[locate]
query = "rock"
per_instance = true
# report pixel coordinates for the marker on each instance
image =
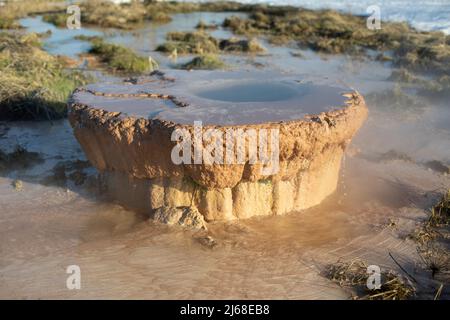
(191, 218)
(207, 241)
(126, 129)
(187, 217)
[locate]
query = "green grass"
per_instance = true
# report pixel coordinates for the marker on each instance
(120, 58)
(204, 62)
(33, 84)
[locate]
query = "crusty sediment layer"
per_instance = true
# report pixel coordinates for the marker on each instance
(139, 150)
(142, 147)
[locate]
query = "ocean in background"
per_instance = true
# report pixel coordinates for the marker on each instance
(423, 15)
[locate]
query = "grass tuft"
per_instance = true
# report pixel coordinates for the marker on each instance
(189, 43)
(354, 274)
(204, 62)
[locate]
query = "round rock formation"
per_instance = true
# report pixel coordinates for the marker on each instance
(222, 145)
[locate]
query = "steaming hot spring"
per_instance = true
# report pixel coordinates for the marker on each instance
(189, 147)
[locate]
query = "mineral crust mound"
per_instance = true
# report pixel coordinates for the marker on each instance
(131, 130)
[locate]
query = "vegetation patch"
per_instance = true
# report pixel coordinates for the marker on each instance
(200, 42)
(121, 59)
(127, 16)
(202, 25)
(424, 84)
(241, 45)
(19, 158)
(397, 101)
(333, 32)
(33, 83)
(204, 62)
(57, 19)
(8, 23)
(13, 10)
(440, 213)
(432, 239)
(189, 43)
(66, 171)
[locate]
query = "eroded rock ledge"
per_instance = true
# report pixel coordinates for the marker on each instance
(125, 130)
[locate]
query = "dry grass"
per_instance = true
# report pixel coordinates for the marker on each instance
(332, 32)
(440, 213)
(120, 58)
(436, 259)
(201, 42)
(423, 235)
(66, 171)
(189, 43)
(13, 10)
(398, 102)
(33, 84)
(202, 25)
(432, 247)
(107, 14)
(439, 217)
(354, 274)
(19, 158)
(130, 16)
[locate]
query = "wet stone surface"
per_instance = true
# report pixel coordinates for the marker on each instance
(216, 98)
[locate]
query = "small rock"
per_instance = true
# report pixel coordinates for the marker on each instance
(168, 215)
(188, 217)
